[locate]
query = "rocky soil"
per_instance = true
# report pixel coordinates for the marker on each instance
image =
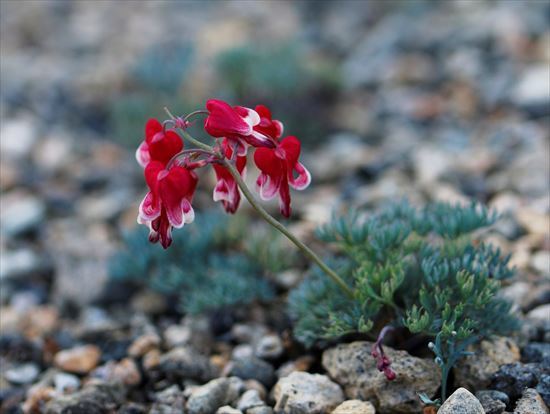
(435, 101)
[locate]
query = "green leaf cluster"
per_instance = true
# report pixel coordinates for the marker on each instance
(422, 269)
(209, 265)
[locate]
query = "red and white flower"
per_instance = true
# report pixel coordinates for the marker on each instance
(168, 202)
(227, 190)
(278, 167)
(158, 145)
(268, 126)
(237, 124)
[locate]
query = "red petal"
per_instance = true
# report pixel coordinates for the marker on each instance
(152, 127)
(223, 120)
(284, 202)
(291, 146)
(164, 149)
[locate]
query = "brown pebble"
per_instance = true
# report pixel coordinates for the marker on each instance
(79, 360)
(144, 344)
(37, 397)
(151, 359)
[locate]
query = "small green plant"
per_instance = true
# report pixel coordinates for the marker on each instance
(420, 269)
(210, 266)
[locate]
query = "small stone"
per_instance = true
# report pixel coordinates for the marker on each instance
(79, 360)
(20, 213)
(354, 368)
(253, 368)
(20, 263)
(531, 89)
(249, 399)
(144, 344)
(302, 363)
(18, 137)
(124, 372)
(543, 388)
(252, 384)
(533, 221)
(151, 359)
(355, 407)
(187, 363)
(132, 408)
(242, 351)
(96, 397)
(461, 401)
(512, 379)
(66, 383)
(227, 409)
(307, 394)
(540, 261)
(263, 409)
(531, 403)
(269, 347)
(22, 374)
(536, 352)
(541, 314)
(475, 371)
(168, 401)
(213, 395)
(490, 404)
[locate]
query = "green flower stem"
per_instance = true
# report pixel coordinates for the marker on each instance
(265, 215)
(279, 226)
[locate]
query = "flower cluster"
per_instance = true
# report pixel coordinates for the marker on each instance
(169, 169)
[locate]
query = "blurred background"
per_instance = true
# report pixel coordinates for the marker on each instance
(425, 100)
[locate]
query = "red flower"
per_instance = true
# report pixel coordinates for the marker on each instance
(168, 202)
(267, 126)
(226, 188)
(236, 124)
(277, 168)
(158, 145)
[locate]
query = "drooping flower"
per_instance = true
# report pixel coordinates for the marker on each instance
(278, 167)
(158, 145)
(268, 126)
(227, 190)
(168, 202)
(236, 124)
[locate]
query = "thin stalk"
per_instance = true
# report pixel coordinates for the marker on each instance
(271, 220)
(189, 137)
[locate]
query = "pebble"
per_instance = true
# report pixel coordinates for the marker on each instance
(355, 407)
(186, 363)
(125, 372)
(461, 401)
(540, 261)
(536, 352)
(20, 213)
(512, 379)
(22, 374)
(531, 89)
(169, 400)
(18, 137)
(227, 409)
(96, 397)
(474, 371)
(541, 314)
(353, 367)
(66, 382)
(143, 344)
(269, 347)
(493, 402)
(79, 360)
(18, 264)
(543, 388)
(531, 403)
(208, 398)
(305, 393)
(151, 359)
(249, 399)
(264, 409)
(253, 368)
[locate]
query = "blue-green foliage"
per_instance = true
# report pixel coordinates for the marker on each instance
(206, 267)
(418, 268)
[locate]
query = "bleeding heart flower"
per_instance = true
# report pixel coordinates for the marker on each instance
(236, 124)
(227, 190)
(158, 145)
(168, 202)
(268, 126)
(277, 168)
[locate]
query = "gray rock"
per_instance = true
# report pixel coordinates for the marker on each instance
(186, 363)
(474, 371)
(269, 347)
(353, 367)
(213, 395)
(18, 137)
(531, 403)
(461, 401)
(264, 409)
(169, 401)
(355, 407)
(21, 212)
(536, 352)
(543, 388)
(532, 88)
(512, 379)
(227, 409)
(22, 374)
(19, 264)
(96, 397)
(253, 368)
(304, 393)
(491, 402)
(249, 399)
(64, 382)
